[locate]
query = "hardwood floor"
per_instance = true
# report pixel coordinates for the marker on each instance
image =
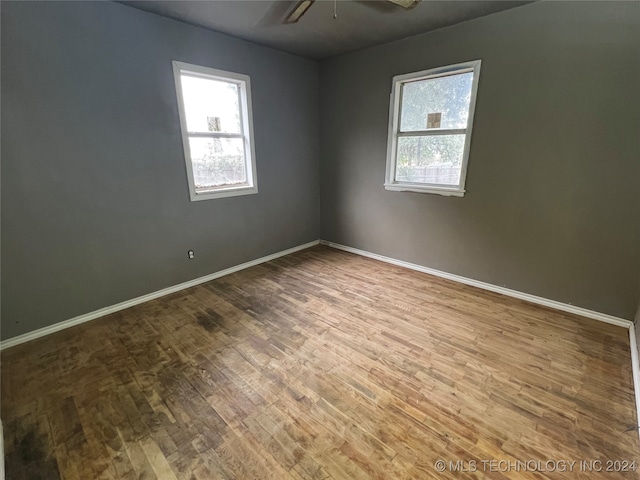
(322, 364)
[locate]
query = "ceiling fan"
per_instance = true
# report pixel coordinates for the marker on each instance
(303, 6)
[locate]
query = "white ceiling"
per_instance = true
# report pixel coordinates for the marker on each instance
(360, 23)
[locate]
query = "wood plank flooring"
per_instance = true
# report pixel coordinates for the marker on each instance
(321, 365)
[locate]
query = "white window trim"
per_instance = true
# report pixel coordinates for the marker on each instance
(246, 117)
(394, 122)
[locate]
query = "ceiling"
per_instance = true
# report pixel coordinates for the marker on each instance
(360, 23)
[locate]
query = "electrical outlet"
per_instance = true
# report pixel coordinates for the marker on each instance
(190, 253)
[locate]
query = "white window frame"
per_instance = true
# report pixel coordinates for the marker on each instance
(246, 124)
(394, 129)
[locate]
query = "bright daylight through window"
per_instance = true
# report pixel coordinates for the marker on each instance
(431, 116)
(217, 131)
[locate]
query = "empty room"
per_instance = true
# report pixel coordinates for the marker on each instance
(391, 239)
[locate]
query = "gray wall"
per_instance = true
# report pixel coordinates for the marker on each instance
(95, 203)
(553, 187)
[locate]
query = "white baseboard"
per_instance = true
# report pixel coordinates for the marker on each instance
(635, 369)
(11, 342)
(1, 452)
(565, 307)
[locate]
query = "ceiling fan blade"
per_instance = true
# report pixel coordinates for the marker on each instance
(408, 4)
(276, 13)
(298, 11)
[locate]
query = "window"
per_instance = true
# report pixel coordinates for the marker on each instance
(217, 131)
(430, 121)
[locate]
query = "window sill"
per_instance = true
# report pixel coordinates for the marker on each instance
(408, 187)
(226, 192)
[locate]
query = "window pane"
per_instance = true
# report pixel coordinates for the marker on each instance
(435, 103)
(435, 159)
(217, 162)
(210, 105)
